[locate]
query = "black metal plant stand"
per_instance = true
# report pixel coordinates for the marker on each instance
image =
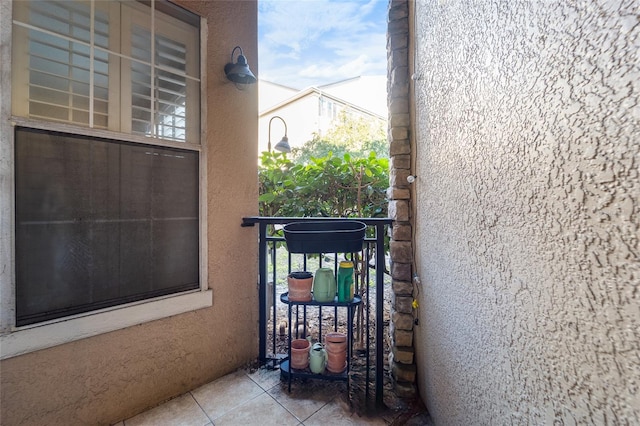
(374, 332)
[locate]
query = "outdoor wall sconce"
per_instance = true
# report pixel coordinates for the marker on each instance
(239, 71)
(283, 145)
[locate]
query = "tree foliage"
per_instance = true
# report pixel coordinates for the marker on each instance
(353, 135)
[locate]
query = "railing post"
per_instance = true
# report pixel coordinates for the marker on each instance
(380, 266)
(262, 289)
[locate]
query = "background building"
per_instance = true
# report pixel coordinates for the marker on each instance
(314, 109)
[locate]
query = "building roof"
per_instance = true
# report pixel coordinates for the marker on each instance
(314, 90)
(354, 93)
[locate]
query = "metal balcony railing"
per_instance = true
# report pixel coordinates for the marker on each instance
(275, 263)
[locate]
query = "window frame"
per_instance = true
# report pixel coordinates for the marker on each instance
(15, 340)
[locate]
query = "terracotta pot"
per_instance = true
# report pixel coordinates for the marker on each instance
(335, 337)
(336, 361)
(300, 284)
(336, 346)
(300, 353)
(336, 342)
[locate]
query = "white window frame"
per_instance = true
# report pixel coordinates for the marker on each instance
(16, 341)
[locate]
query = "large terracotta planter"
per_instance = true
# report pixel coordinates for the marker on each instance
(300, 284)
(300, 353)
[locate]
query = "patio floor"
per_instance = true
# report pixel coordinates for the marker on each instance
(260, 398)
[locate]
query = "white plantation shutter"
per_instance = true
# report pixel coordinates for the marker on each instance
(107, 65)
(140, 81)
(61, 66)
(163, 90)
(172, 88)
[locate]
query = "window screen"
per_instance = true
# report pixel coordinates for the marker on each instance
(101, 222)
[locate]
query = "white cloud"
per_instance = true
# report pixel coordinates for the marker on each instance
(357, 66)
(312, 42)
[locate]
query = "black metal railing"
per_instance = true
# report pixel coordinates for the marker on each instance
(272, 274)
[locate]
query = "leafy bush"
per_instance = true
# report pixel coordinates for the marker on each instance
(327, 186)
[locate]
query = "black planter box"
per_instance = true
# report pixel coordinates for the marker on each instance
(335, 236)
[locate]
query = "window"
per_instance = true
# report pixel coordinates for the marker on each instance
(101, 223)
(108, 65)
(108, 163)
(327, 108)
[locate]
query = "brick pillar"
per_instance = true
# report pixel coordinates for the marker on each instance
(401, 359)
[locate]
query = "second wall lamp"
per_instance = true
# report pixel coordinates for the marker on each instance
(283, 145)
(239, 71)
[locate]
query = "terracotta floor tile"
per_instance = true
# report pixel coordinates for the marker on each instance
(261, 398)
(265, 378)
(306, 397)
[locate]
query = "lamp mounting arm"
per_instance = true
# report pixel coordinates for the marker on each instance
(283, 122)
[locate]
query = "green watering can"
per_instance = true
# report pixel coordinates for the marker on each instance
(317, 358)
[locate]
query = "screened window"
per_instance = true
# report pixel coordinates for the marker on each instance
(101, 223)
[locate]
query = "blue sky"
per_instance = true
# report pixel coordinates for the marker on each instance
(313, 42)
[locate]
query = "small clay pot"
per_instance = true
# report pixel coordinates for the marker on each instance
(300, 284)
(300, 353)
(335, 342)
(336, 347)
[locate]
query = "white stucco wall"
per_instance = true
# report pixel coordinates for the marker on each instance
(527, 211)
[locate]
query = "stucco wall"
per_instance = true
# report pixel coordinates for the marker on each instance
(115, 375)
(527, 212)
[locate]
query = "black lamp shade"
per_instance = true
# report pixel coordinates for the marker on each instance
(240, 72)
(283, 145)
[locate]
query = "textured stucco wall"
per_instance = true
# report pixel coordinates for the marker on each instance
(107, 378)
(527, 212)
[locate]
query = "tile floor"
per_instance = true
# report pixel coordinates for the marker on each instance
(258, 398)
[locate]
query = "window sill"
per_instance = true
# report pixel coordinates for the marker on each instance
(32, 338)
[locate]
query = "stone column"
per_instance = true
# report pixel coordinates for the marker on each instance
(401, 359)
